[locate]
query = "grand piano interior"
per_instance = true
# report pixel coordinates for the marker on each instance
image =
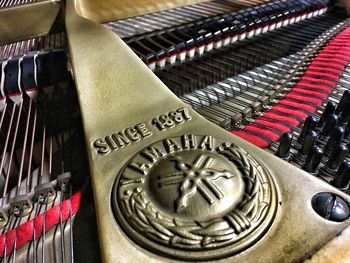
(174, 130)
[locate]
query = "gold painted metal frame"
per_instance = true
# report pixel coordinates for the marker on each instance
(116, 91)
(26, 21)
(109, 10)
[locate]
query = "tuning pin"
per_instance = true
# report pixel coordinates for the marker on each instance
(330, 125)
(308, 142)
(309, 124)
(328, 110)
(313, 160)
(342, 178)
(283, 150)
(337, 156)
(345, 99)
(335, 139)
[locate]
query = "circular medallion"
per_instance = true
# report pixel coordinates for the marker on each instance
(194, 198)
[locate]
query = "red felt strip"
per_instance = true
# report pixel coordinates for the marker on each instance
(334, 65)
(336, 50)
(324, 65)
(321, 75)
(24, 233)
(313, 101)
(341, 57)
(311, 93)
(319, 81)
(333, 54)
(252, 139)
(336, 53)
(278, 127)
(333, 60)
(263, 132)
(310, 86)
(297, 113)
(343, 39)
(298, 105)
(341, 43)
(280, 118)
(329, 70)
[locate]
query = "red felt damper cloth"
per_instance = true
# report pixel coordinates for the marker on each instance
(334, 56)
(252, 139)
(24, 233)
(293, 112)
(318, 74)
(282, 119)
(331, 64)
(297, 105)
(345, 49)
(305, 99)
(333, 60)
(315, 94)
(326, 69)
(316, 87)
(336, 53)
(338, 50)
(273, 136)
(277, 126)
(328, 83)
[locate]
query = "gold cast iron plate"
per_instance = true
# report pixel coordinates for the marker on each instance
(109, 10)
(26, 21)
(120, 96)
(194, 194)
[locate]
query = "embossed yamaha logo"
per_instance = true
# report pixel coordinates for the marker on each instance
(194, 198)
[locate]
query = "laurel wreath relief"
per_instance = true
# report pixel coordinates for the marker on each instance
(143, 216)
